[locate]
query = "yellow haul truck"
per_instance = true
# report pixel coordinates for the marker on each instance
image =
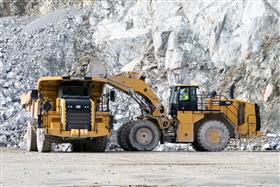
(68, 110)
(76, 111)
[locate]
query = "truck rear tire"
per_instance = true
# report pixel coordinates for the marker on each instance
(123, 137)
(31, 144)
(212, 135)
(144, 135)
(44, 142)
(77, 146)
(97, 144)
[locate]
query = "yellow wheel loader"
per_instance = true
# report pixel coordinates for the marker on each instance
(77, 111)
(208, 122)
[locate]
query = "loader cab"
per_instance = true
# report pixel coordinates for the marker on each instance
(182, 98)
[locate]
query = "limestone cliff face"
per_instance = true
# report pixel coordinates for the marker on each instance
(208, 43)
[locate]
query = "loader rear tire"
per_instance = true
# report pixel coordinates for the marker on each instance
(144, 135)
(123, 137)
(213, 135)
(44, 142)
(31, 144)
(97, 144)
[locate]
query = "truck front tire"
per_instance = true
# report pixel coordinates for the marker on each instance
(44, 142)
(31, 144)
(97, 144)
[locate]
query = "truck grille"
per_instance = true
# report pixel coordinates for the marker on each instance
(78, 114)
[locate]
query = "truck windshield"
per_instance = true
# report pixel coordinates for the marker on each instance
(75, 91)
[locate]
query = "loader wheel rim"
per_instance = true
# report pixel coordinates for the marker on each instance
(214, 136)
(144, 136)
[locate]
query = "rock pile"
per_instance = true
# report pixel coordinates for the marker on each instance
(208, 43)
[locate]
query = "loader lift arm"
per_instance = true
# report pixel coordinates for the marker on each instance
(131, 83)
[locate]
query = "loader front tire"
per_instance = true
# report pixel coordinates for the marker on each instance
(123, 137)
(44, 142)
(31, 144)
(213, 135)
(144, 135)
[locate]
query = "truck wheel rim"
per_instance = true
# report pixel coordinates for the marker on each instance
(144, 136)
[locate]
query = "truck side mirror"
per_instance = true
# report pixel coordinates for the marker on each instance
(34, 95)
(47, 106)
(112, 95)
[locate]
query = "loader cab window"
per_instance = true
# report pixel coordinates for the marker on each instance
(184, 94)
(173, 104)
(183, 98)
(187, 98)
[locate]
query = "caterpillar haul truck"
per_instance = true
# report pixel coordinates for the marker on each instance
(77, 111)
(68, 110)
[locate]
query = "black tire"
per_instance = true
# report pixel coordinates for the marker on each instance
(197, 147)
(77, 146)
(213, 135)
(99, 144)
(144, 135)
(31, 142)
(44, 142)
(123, 137)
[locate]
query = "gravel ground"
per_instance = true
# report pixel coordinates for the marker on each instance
(21, 168)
